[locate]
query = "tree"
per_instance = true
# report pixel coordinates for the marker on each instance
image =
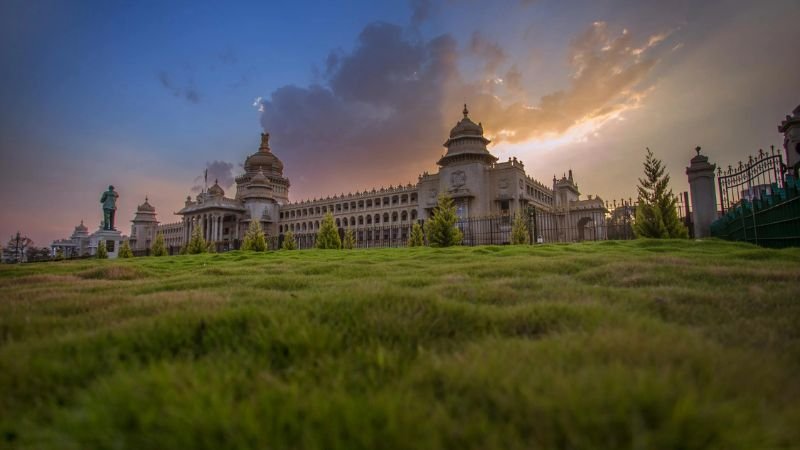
(159, 248)
(328, 235)
(289, 242)
(125, 250)
(59, 254)
(519, 231)
(416, 239)
(196, 244)
(102, 253)
(656, 216)
(254, 239)
(349, 239)
(441, 229)
(16, 250)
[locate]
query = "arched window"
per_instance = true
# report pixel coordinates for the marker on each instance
(404, 216)
(413, 197)
(394, 216)
(352, 221)
(377, 219)
(404, 198)
(361, 220)
(413, 214)
(316, 225)
(369, 203)
(338, 223)
(395, 199)
(369, 220)
(385, 217)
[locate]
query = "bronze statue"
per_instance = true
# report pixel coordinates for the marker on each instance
(109, 201)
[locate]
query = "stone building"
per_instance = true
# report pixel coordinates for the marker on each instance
(481, 186)
(468, 172)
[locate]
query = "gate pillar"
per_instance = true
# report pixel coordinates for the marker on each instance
(704, 194)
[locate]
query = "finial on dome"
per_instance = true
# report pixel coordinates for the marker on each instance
(216, 180)
(466, 111)
(264, 141)
(697, 149)
(145, 199)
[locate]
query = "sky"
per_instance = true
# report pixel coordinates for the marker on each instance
(147, 95)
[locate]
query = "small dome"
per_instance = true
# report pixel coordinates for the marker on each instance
(145, 207)
(81, 227)
(216, 190)
(466, 127)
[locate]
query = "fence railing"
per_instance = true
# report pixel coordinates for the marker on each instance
(751, 180)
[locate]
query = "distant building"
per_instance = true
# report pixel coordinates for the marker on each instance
(479, 184)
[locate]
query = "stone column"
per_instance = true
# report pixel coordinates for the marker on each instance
(704, 194)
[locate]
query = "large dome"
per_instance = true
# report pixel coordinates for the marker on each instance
(263, 159)
(466, 127)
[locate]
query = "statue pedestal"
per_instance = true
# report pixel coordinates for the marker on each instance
(112, 239)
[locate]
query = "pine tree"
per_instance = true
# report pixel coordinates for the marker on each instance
(254, 239)
(349, 239)
(656, 216)
(102, 253)
(196, 244)
(59, 253)
(328, 235)
(289, 242)
(519, 231)
(159, 248)
(441, 229)
(125, 250)
(416, 239)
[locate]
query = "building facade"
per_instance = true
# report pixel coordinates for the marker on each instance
(468, 172)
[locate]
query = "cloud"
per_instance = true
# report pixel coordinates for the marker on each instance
(609, 75)
(381, 111)
(188, 92)
(492, 55)
(420, 11)
(218, 171)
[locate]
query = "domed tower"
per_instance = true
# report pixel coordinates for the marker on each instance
(144, 226)
(790, 128)
(464, 173)
(262, 188)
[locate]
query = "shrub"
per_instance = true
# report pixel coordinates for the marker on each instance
(196, 244)
(416, 239)
(520, 235)
(59, 253)
(349, 239)
(328, 235)
(254, 239)
(125, 250)
(441, 229)
(159, 248)
(289, 242)
(102, 253)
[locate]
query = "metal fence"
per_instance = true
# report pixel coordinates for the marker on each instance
(751, 180)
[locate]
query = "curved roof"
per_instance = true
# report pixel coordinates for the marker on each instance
(263, 159)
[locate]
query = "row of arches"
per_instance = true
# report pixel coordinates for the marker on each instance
(379, 202)
(352, 221)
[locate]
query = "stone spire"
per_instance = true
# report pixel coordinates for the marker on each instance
(465, 111)
(264, 143)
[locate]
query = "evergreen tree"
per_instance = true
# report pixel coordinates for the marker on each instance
(102, 253)
(656, 216)
(254, 239)
(159, 248)
(289, 242)
(519, 230)
(349, 242)
(441, 229)
(125, 250)
(416, 239)
(59, 253)
(196, 244)
(328, 235)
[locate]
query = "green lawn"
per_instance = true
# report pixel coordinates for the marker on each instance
(607, 345)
